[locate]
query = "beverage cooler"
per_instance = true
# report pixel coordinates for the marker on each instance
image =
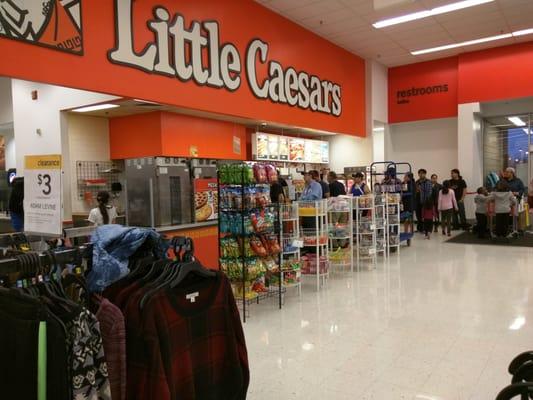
(159, 191)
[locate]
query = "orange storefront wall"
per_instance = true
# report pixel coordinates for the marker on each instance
(496, 74)
(501, 73)
(406, 83)
(175, 135)
(239, 21)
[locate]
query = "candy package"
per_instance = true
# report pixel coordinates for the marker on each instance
(272, 174)
(260, 173)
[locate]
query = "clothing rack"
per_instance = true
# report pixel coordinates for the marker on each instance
(63, 256)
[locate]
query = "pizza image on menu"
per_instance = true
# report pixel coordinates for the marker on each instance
(296, 150)
(205, 199)
(51, 23)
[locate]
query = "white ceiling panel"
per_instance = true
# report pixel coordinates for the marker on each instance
(348, 23)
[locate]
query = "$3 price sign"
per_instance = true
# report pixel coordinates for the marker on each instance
(45, 183)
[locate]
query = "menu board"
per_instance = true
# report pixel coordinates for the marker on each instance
(273, 147)
(262, 146)
(283, 148)
(313, 151)
(296, 150)
(324, 152)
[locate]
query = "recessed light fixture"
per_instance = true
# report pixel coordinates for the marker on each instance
(429, 13)
(145, 101)
(95, 108)
(517, 121)
(471, 42)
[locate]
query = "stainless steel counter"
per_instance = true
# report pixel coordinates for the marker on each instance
(163, 229)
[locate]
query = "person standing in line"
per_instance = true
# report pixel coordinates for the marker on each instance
(424, 190)
(277, 190)
(482, 201)
(428, 213)
(447, 205)
(407, 201)
(516, 186)
(105, 213)
(336, 188)
(435, 194)
(359, 187)
(458, 185)
(325, 187)
(312, 190)
(504, 200)
(16, 204)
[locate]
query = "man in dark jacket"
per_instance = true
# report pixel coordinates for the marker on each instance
(515, 184)
(335, 187)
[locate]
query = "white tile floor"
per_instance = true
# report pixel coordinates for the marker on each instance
(433, 323)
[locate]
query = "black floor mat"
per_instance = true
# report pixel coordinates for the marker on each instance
(471, 238)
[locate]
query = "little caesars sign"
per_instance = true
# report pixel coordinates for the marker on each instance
(224, 69)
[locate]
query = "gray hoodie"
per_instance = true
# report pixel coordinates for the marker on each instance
(503, 202)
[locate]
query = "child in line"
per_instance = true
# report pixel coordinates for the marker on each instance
(447, 206)
(482, 201)
(503, 201)
(428, 213)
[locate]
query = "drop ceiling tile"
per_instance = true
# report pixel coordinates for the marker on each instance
(284, 5)
(469, 35)
(347, 23)
(318, 9)
(421, 33)
(340, 19)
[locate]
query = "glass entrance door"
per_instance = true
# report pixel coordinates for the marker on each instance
(507, 143)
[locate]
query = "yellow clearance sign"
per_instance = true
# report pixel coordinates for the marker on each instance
(43, 162)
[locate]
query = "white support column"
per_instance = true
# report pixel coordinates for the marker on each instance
(470, 150)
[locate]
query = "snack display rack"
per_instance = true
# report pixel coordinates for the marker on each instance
(291, 243)
(393, 210)
(365, 230)
(249, 233)
(314, 228)
(381, 224)
(340, 232)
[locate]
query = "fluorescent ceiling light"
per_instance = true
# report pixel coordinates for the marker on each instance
(145, 101)
(527, 133)
(523, 32)
(475, 41)
(95, 108)
(429, 13)
(461, 44)
(517, 121)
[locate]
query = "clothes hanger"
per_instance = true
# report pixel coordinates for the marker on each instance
(170, 271)
(194, 267)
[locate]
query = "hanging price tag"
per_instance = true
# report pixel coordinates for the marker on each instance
(298, 243)
(43, 211)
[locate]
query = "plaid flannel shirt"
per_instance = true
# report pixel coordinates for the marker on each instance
(184, 352)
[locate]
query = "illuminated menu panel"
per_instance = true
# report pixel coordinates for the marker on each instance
(282, 148)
